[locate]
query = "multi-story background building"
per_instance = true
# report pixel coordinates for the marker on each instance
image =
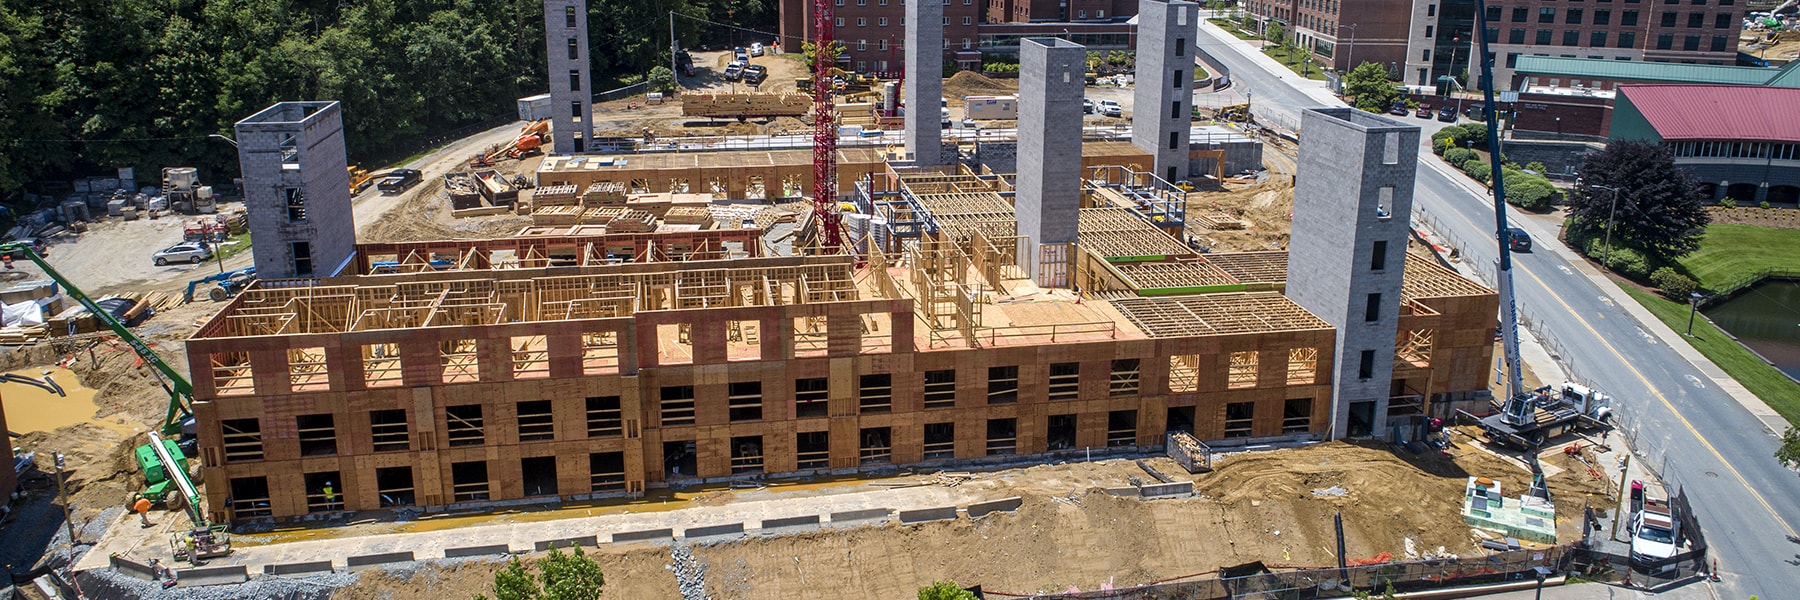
(1700, 32)
(1424, 41)
(873, 31)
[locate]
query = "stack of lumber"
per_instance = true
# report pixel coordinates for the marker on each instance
(1217, 221)
(633, 221)
(687, 215)
(130, 308)
(18, 335)
(745, 105)
(563, 216)
(555, 195)
(605, 193)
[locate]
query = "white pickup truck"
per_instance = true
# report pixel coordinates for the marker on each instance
(1654, 533)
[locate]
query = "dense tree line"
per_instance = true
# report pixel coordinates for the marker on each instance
(90, 85)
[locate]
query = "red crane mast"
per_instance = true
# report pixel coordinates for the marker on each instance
(825, 132)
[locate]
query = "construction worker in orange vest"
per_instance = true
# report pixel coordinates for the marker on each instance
(142, 508)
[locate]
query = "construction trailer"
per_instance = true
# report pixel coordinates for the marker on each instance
(573, 367)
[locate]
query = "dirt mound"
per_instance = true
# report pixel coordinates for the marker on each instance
(970, 83)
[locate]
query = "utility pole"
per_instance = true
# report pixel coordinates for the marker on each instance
(1613, 209)
(674, 46)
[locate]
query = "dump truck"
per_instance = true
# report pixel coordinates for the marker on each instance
(744, 106)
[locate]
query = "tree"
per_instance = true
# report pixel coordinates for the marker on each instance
(1659, 206)
(662, 79)
(1788, 454)
(571, 576)
(811, 50)
(1276, 33)
(1369, 84)
(945, 590)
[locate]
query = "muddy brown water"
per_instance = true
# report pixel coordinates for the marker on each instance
(31, 409)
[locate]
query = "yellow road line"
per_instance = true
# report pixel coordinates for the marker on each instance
(1653, 391)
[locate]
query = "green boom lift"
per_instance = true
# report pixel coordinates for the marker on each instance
(162, 460)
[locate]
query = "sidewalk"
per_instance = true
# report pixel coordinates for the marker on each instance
(1547, 228)
(1317, 90)
(1596, 591)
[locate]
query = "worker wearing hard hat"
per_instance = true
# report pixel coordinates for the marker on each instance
(142, 508)
(330, 496)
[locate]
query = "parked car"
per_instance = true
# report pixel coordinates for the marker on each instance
(738, 54)
(734, 71)
(1397, 109)
(1109, 108)
(399, 180)
(1424, 111)
(1087, 106)
(1475, 112)
(756, 49)
(183, 252)
(1517, 240)
(755, 74)
(1447, 114)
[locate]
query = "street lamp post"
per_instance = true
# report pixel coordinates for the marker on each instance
(227, 139)
(1350, 60)
(1693, 306)
(1613, 209)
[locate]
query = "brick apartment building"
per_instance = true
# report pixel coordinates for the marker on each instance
(1701, 32)
(1341, 31)
(1425, 40)
(874, 31)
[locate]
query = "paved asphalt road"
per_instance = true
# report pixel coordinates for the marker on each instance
(1694, 433)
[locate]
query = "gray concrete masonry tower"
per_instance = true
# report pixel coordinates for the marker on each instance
(571, 97)
(1161, 121)
(924, 82)
(296, 190)
(1048, 199)
(1352, 198)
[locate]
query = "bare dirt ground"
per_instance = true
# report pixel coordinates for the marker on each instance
(1267, 205)
(628, 117)
(1267, 506)
(1782, 47)
(113, 257)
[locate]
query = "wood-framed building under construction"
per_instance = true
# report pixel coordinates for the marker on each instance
(474, 372)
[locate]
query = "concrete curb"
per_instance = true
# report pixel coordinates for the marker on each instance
(591, 541)
(369, 561)
(477, 551)
(713, 530)
(861, 515)
(908, 517)
(768, 524)
(647, 535)
(1166, 490)
(323, 566)
(982, 509)
(132, 568)
(205, 576)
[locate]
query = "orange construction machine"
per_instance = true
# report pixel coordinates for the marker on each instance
(530, 141)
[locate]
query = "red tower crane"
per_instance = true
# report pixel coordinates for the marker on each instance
(825, 132)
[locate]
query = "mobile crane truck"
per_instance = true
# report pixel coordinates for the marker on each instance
(163, 461)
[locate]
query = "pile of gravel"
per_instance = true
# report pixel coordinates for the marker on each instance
(690, 573)
(107, 583)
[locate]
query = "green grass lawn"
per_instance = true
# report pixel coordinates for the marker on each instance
(1233, 27)
(1292, 57)
(243, 243)
(1731, 253)
(1757, 376)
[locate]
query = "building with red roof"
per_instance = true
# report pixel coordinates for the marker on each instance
(1742, 142)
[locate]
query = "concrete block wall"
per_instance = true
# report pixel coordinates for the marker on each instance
(297, 148)
(924, 84)
(1051, 72)
(565, 24)
(1353, 193)
(1165, 78)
